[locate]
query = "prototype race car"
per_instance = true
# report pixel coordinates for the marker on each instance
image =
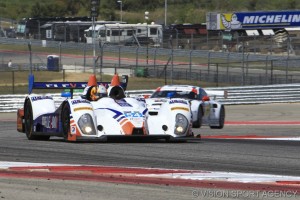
(86, 118)
(204, 110)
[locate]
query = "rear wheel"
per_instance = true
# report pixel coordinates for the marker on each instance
(65, 119)
(221, 119)
(28, 118)
(198, 122)
(28, 124)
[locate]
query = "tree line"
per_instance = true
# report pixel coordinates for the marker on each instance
(179, 11)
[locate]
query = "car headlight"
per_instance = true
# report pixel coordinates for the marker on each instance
(86, 124)
(181, 124)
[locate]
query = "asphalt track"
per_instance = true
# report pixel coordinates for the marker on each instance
(212, 153)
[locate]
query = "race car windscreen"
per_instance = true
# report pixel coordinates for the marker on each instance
(174, 94)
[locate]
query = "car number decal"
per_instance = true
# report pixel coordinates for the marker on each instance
(73, 130)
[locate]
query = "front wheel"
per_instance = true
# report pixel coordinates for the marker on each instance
(65, 119)
(198, 122)
(221, 119)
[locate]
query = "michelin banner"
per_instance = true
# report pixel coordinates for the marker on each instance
(253, 20)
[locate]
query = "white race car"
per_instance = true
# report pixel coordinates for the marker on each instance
(114, 116)
(204, 110)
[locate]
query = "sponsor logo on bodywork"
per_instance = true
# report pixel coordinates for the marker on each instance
(180, 108)
(178, 101)
(50, 121)
(133, 114)
(160, 100)
(37, 98)
(77, 101)
(82, 108)
(73, 129)
(123, 103)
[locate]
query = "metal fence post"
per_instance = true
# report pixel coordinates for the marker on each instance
(243, 64)
(84, 57)
(217, 80)
(172, 65)
(208, 64)
(59, 48)
(64, 75)
(30, 56)
(267, 62)
(137, 56)
(101, 58)
(227, 68)
(176, 39)
(191, 52)
(120, 56)
(13, 82)
(247, 67)
(271, 81)
(154, 62)
(287, 70)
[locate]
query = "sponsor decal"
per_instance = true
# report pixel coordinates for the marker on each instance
(154, 108)
(180, 108)
(178, 101)
(160, 100)
(37, 98)
(50, 121)
(77, 101)
(82, 108)
(123, 103)
(133, 114)
(273, 19)
(73, 130)
(64, 85)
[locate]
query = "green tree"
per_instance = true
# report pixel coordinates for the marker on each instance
(107, 10)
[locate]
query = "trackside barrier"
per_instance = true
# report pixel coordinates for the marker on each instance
(283, 93)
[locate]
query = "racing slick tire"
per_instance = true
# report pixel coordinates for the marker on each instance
(28, 118)
(65, 120)
(221, 119)
(198, 123)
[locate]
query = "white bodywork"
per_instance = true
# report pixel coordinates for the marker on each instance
(199, 102)
(161, 115)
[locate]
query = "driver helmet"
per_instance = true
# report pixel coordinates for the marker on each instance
(102, 91)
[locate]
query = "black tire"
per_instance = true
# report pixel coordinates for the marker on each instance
(221, 119)
(198, 123)
(28, 121)
(65, 120)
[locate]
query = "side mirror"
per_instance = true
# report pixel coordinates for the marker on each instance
(205, 98)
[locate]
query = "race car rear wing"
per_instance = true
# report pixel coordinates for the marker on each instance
(68, 85)
(215, 93)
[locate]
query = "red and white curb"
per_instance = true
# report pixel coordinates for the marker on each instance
(254, 136)
(251, 137)
(153, 176)
(265, 123)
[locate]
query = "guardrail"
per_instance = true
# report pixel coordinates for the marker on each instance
(283, 93)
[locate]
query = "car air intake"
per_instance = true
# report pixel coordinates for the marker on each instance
(152, 113)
